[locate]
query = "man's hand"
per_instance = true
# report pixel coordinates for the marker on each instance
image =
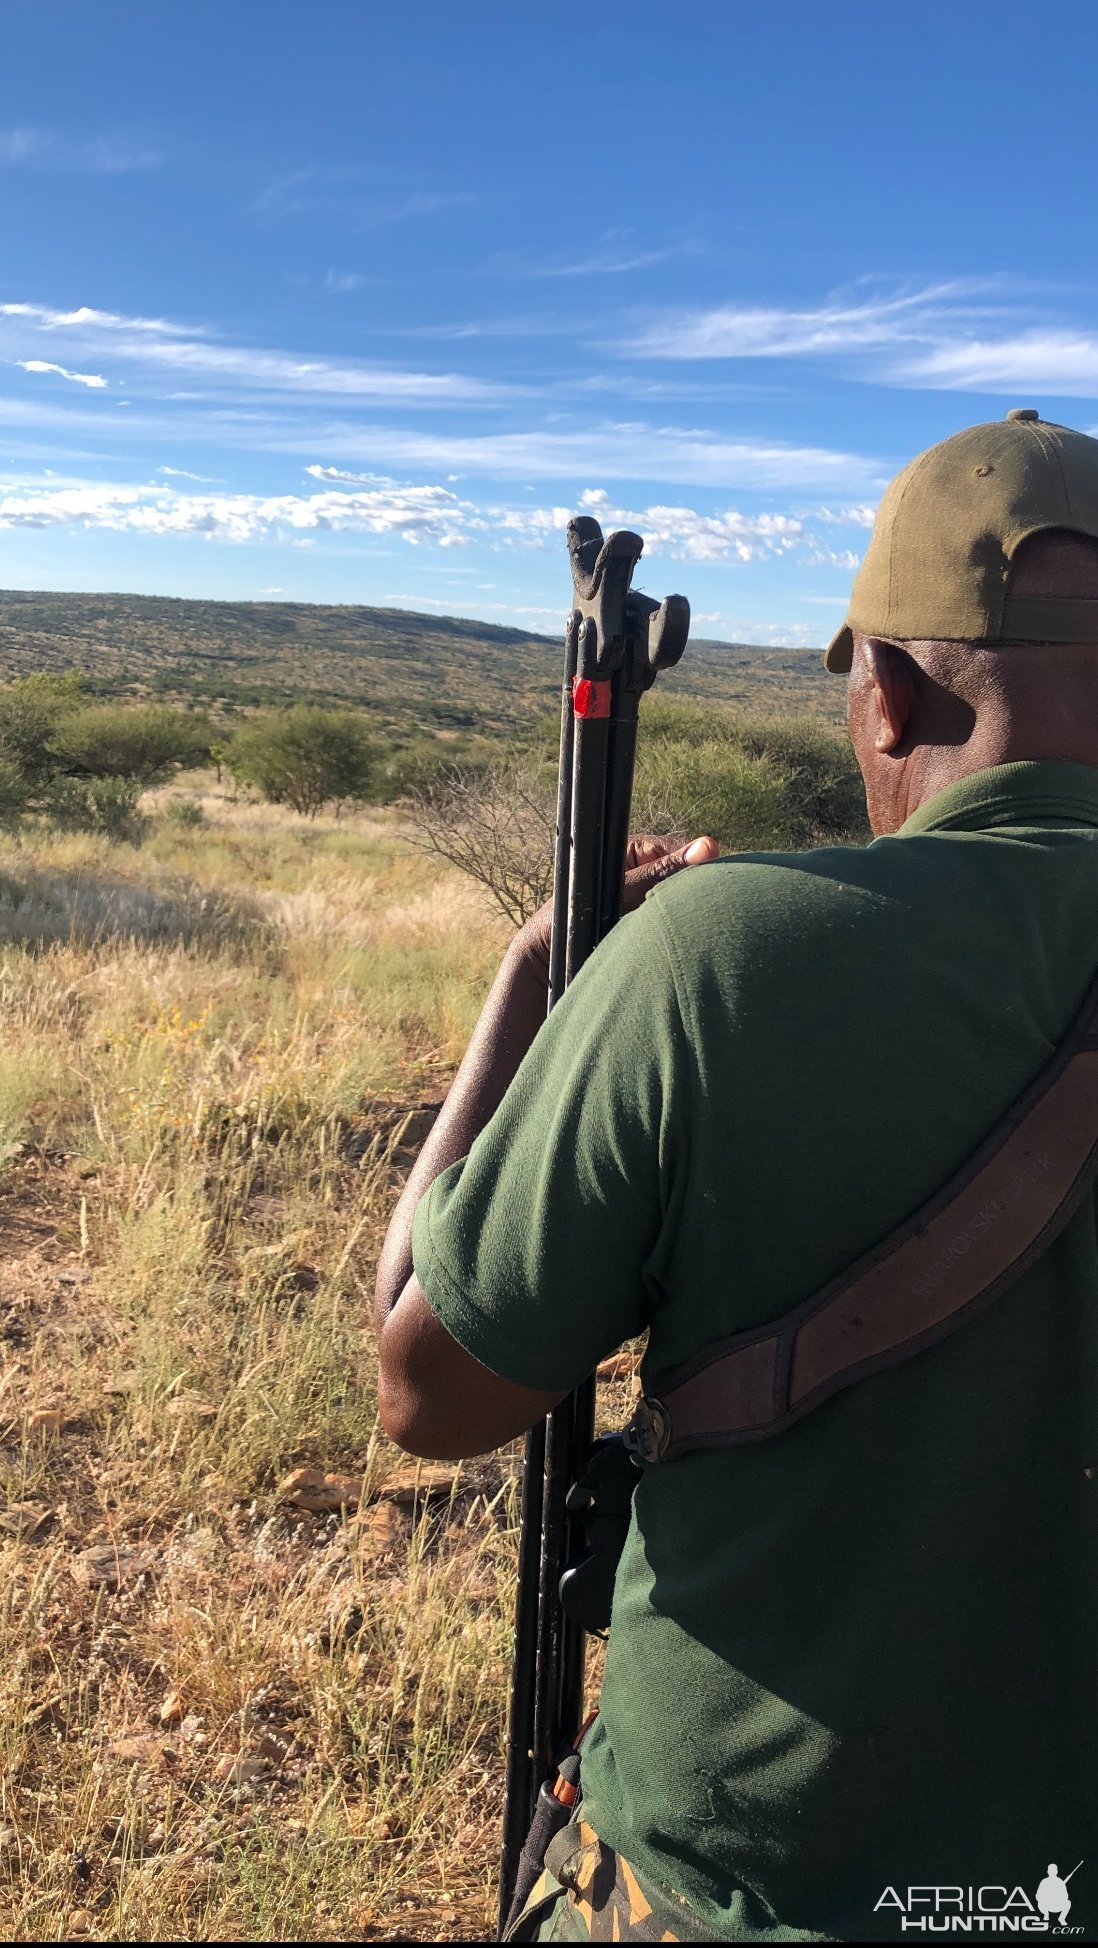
(649, 860)
(434, 1398)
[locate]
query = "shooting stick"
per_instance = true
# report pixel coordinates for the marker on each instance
(616, 640)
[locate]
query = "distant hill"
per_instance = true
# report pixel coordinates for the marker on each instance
(413, 672)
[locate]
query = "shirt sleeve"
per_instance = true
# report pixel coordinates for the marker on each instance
(540, 1252)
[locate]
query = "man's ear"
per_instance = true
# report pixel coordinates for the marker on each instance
(893, 692)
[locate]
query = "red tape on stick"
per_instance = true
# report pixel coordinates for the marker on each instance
(590, 697)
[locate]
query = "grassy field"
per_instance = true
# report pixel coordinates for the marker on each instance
(225, 1714)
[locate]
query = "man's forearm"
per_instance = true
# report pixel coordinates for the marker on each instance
(509, 1021)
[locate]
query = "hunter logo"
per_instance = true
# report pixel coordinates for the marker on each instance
(982, 1221)
(933, 1909)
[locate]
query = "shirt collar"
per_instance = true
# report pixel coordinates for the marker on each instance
(1012, 794)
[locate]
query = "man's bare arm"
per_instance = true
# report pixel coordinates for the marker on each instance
(434, 1398)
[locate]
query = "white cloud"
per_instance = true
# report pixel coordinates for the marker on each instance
(1060, 362)
(752, 331)
(861, 516)
(85, 315)
(613, 450)
(348, 194)
(38, 148)
(632, 451)
(964, 336)
(339, 281)
(352, 479)
(612, 260)
(181, 473)
(748, 629)
(416, 514)
(22, 145)
(687, 535)
(78, 378)
(186, 353)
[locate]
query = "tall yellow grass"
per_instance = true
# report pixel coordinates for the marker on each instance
(221, 1717)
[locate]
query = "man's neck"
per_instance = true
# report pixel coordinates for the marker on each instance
(927, 771)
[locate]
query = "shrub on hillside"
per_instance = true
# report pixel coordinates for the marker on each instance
(84, 765)
(144, 743)
(186, 814)
(305, 757)
(824, 783)
(742, 801)
(31, 709)
(107, 806)
(756, 783)
(13, 793)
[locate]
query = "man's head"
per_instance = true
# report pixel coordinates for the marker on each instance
(972, 635)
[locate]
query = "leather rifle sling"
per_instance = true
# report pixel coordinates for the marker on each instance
(968, 1243)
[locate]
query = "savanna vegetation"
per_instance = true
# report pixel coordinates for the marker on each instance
(417, 677)
(253, 1663)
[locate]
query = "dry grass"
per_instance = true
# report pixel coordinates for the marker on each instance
(221, 1717)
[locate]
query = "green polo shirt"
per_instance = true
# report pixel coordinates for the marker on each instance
(862, 1657)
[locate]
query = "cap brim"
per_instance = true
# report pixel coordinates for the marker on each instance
(839, 654)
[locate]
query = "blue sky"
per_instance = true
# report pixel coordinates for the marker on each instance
(356, 303)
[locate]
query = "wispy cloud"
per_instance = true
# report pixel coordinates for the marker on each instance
(631, 451)
(187, 383)
(181, 473)
(349, 479)
(964, 336)
(39, 148)
(529, 325)
(1059, 362)
(338, 282)
(85, 316)
(348, 194)
(92, 379)
(199, 353)
(615, 254)
(750, 629)
(753, 331)
(556, 449)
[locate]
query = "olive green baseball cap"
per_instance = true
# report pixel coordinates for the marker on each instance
(938, 562)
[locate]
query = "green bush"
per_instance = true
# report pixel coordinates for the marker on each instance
(187, 813)
(743, 802)
(13, 793)
(306, 757)
(141, 742)
(824, 783)
(84, 765)
(757, 784)
(104, 805)
(31, 709)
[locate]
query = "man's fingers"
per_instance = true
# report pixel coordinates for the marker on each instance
(645, 847)
(653, 871)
